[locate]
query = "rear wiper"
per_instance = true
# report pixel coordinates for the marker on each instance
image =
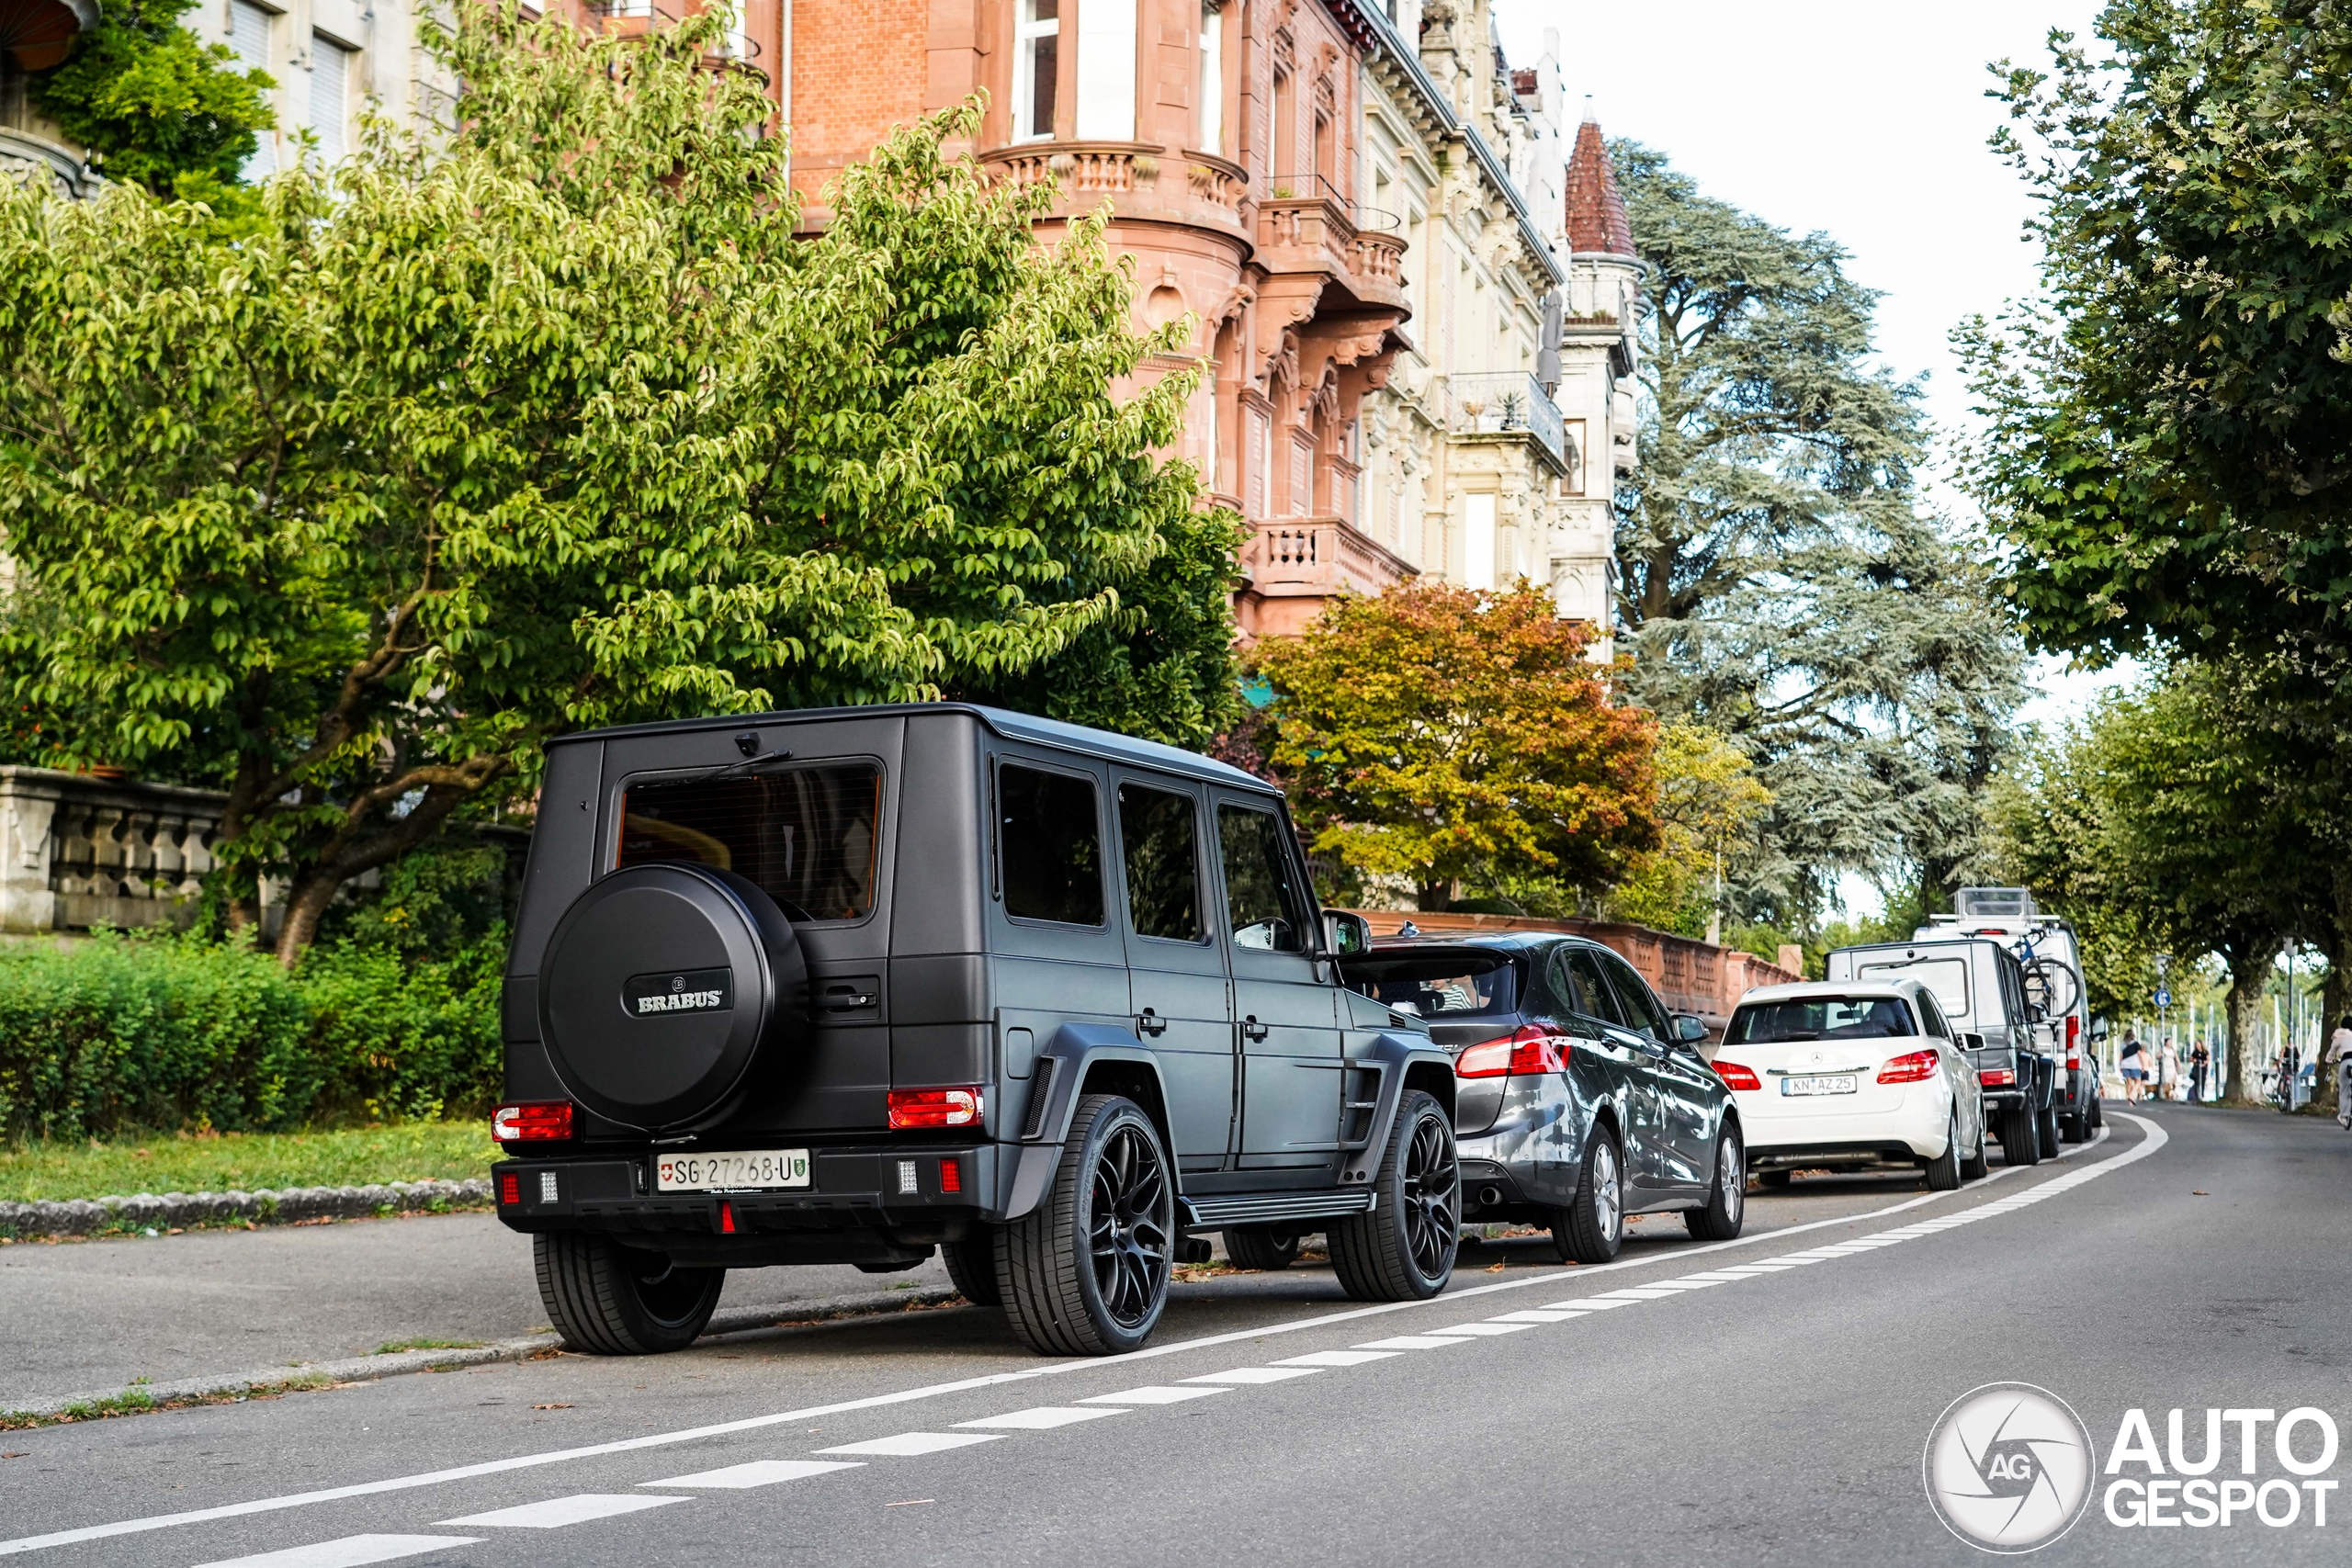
(752, 759)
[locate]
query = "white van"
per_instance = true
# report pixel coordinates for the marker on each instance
(2052, 960)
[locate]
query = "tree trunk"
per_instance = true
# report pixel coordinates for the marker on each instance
(2247, 975)
(306, 905)
(1435, 897)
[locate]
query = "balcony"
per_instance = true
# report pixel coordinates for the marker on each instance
(1207, 191)
(1294, 564)
(1305, 224)
(1507, 403)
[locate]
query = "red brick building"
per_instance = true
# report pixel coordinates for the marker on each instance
(1223, 133)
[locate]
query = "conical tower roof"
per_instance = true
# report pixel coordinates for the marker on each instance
(1596, 211)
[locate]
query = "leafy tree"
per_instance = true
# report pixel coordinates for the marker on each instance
(1710, 805)
(560, 425)
(159, 108)
(1783, 585)
(1435, 733)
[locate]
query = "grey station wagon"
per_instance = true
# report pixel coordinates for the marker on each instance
(848, 986)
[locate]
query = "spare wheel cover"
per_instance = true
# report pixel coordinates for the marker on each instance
(661, 985)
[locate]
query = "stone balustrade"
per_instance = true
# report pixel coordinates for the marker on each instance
(78, 850)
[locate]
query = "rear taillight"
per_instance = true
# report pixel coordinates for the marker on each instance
(1529, 1049)
(1997, 1077)
(1736, 1076)
(914, 1108)
(532, 1122)
(2074, 1042)
(1912, 1067)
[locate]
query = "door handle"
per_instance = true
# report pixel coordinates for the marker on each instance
(1150, 1023)
(1251, 1029)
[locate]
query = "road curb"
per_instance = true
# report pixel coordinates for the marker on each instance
(140, 1397)
(287, 1206)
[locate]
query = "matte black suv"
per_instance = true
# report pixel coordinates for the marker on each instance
(1580, 1100)
(846, 986)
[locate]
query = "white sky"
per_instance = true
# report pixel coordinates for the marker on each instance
(1864, 119)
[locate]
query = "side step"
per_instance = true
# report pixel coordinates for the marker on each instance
(1214, 1214)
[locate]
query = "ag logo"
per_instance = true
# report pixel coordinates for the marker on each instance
(2009, 1467)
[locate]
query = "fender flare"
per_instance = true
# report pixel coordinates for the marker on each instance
(1059, 1070)
(1392, 1056)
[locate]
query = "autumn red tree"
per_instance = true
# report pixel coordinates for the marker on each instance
(1435, 733)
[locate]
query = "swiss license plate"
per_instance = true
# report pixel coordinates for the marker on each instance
(730, 1170)
(1841, 1083)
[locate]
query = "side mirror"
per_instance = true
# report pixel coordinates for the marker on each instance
(1972, 1042)
(1345, 932)
(1689, 1029)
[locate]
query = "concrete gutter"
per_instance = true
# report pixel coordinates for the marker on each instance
(139, 1397)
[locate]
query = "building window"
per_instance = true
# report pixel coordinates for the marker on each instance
(330, 95)
(1212, 79)
(1106, 71)
(1478, 541)
(248, 35)
(1036, 67)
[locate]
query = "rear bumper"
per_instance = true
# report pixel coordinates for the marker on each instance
(1916, 1129)
(882, 1208)
(1849, 1153)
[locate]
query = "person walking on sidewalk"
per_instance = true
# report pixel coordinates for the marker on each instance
(2339, 1052)
(2201, 1060)
(2168, 1070)
(2134, 1057)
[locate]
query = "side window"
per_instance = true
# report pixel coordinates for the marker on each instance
(1641, 1011)
(1050, 846)
(1578, 976)
(1931, 1018)
(1262, 903)
(1156, 830)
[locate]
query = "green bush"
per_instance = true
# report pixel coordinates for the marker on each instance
(168, 1032)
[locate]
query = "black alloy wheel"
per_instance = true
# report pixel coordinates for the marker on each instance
(1403, 1249)
(1086, 1272)
(1720, 1218)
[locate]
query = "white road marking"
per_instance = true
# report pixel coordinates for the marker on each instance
(757, 1472)
(1483, 1330)
(1412, 1342)
(905, 1444)
(2155, 1139)
(351, 1551)
(1042, 1419)
(1642, 1293)
(1154, 1393)
(1534, 1315)
(1256, 1375)
(557, 1512)
(1335, 1358)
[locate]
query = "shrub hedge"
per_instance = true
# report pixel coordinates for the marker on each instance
(171, 1032)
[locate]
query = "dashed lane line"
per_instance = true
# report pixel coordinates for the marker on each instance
(2153, 1140)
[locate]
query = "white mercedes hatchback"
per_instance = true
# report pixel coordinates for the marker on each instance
(1848, 1075)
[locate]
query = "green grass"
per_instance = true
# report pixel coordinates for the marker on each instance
(394, 1346)
(196, 1162)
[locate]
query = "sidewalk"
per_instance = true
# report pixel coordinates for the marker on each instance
(93, 1316)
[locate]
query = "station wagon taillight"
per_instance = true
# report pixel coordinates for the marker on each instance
(1914, 1067)
(914, 1108)
(532, 1122)
(1737, 1074)
(1529, 1049)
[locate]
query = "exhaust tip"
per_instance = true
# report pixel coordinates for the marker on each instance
(1489, 1196)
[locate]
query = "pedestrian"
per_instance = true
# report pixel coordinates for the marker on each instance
(2201, 1061)
(2168, 1071)
(2339, 1051)
(2135, 1067)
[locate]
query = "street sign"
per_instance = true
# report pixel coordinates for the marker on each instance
(2163, 998)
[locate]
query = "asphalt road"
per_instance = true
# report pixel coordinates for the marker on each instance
(1771, 1409)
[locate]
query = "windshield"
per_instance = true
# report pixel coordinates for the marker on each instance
(1821, 1018)
(1438, 984)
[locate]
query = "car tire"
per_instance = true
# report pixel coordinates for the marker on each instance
(1085, 1273)
(1777, 1181)
(1403, 1249)
(2045, 1124)
(971, 1265)
(609, 1300)
(2075, 1129)
(1267, 1249)
(1943, 1171)
(1719, 1217)
(2021, 1137)
(2099, 1114)
(1593, 1227)
(1978, 1166)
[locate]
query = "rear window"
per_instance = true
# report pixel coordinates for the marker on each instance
(1439, 986)
(1820, 1018)
(1946, 977)
(806, 835)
